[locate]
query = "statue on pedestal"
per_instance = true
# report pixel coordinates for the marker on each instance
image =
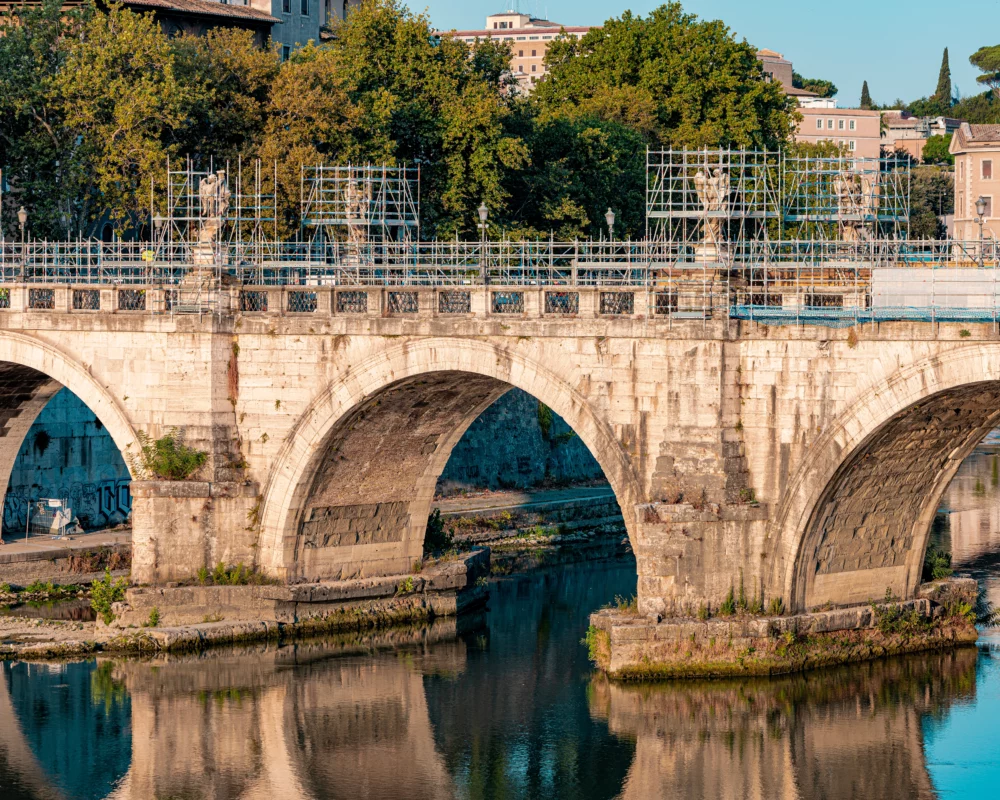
(855, 199)
(713, 193)
(357, 202)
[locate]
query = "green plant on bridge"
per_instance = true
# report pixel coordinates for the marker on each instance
(166, 458)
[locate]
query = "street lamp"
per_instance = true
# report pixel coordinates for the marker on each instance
(609, 217)
(484, 213)
(980, 219)
(22, 218)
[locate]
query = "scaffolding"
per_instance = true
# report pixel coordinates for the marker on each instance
(361, 205)
(847, 199)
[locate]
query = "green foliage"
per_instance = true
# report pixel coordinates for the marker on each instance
(406, 586)
(943, 92)
(5, 588)
(678, 79)
(866, 97)
(986, 614)
(818, 87)
(932, 196)
(703, 612)
(166, 458)
(37, 587)
(987, 61)
(203, 575)
(238, 575)
(776, 607)
(892, 618)
(154, 618)
(937, 564)
(545, 419)
(979, 109)
(728, 607)
(741, 598)
(936, 150)
(436, 539)
(598, 645)
(105, 591)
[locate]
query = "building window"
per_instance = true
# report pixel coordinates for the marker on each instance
(852, 125)
(286, 6)
(987, 169)
(533, 38)
(520, 68)
(854, 145)
(495, 26)
(989, 206)
(546, 37)
(961, 170)
(286, 52)
(534, 67)
(829, 124)
(520, 54)
(819, 124)
(304, 8)
(840, 124)
(534, 53)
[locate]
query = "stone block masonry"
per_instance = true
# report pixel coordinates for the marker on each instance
(802, 463)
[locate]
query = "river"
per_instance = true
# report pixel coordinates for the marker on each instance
(505, 705)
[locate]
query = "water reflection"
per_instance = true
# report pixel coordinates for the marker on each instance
(852, 732)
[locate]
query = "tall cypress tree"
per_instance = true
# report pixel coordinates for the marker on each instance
(866, 98)
(943, 93)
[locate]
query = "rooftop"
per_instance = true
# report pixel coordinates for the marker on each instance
(974, 135)
(205, 8)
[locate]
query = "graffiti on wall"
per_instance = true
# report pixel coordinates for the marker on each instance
(97, 505)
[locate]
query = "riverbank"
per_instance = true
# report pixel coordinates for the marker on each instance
(632, 648)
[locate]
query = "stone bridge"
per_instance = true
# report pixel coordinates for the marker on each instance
(805, 462)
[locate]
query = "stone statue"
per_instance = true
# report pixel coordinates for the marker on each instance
(713, 193)
(855, 198)
(357, 203)
(213, 196)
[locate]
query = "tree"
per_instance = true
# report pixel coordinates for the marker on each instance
(979, 109)
(932, 196)
(226, 83)
(987, 60)
(943, 92)
(866, 98)
(121, 99)
(817, 86)
(692, 79)
(42, 164)
(936, 150)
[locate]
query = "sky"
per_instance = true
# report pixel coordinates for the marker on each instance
(896, 46)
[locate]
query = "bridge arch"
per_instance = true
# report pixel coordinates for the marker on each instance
(365, 457)
(855, 518)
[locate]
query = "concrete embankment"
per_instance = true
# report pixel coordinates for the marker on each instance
(629, 647)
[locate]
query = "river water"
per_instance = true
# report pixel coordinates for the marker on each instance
(505, 705)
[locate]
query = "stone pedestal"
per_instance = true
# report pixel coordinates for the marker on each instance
(181, 526)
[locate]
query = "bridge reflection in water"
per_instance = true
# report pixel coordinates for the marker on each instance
(508, 708)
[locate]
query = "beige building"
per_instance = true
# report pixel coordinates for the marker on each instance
(529, 38)
(853, 128)
(778, 68)
(977, 161)
(903, 131)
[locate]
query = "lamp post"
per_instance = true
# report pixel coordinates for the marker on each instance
(484, 213)
(609, 217)
(980, 219)
(22, 219)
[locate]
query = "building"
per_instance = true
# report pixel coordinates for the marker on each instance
(977, 161)
(853, 128)
(288, 24)
(529, 38)
(778, 68)
(903, 131)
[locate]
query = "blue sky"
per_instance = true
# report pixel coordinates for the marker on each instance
(895, 46)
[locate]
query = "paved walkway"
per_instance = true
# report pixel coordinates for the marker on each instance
(500, 501)
(16, 549)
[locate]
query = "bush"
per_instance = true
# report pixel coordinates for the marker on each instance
(728, 607)
(776, 607)
(937, 564)
(104, 592)
(437, 539)
(166, 458)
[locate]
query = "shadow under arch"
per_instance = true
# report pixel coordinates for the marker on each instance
(363, 460)
(855, 518)
(31, 373)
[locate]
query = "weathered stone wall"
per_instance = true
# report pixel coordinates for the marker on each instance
(508, 448)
